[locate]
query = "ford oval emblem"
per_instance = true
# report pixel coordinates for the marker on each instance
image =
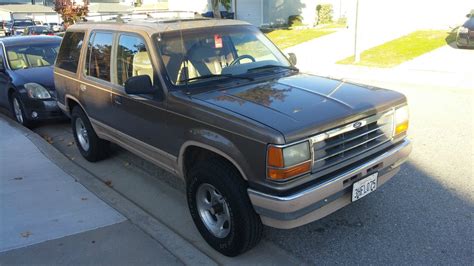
(357, 124)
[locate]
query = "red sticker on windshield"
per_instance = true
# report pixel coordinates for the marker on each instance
(218, 41)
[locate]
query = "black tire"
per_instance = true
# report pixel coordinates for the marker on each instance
(245, 225)
(21, 116)
(98, 148)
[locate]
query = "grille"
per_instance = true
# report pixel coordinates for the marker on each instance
(341, 144)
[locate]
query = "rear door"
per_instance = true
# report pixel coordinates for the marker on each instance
(95, 81)
(140, 119)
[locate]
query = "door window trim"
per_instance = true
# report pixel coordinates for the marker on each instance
(117, 86)
(84, 70)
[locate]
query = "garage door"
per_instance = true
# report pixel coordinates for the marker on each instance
(250, 11)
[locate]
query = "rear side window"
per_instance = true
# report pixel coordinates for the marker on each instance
(133, 59)
(70, 51)
(98, 56)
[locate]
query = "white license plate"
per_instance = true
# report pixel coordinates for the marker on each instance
(365, 186)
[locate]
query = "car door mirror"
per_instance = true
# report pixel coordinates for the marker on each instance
(292, 58)
(139, 85)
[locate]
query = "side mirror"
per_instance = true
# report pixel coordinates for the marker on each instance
(292, 58)
(139, 85)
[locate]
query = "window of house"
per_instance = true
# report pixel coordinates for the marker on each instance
(132, 58)
(98, 55)
(70, 51)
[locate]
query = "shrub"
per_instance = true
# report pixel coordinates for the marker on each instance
(324, 13)
(342, 21)
(295, 20)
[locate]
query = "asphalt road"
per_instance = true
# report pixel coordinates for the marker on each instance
(422, 216)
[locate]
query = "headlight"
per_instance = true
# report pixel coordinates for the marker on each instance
(288, 162)
(36, 91)
(401, 120)
(463, 30)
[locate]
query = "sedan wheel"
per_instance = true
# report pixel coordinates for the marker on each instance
(17, 111)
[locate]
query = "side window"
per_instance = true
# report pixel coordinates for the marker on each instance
(68, 56)
(98, 55)
(132, 58)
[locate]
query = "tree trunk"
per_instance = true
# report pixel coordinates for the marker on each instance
(216, 9)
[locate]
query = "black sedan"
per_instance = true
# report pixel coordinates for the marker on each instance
(465, 37)
(26, 77)
(38, 30)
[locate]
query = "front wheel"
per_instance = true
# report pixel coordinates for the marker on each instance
(18, 111)
(221, 209)
(89, 144)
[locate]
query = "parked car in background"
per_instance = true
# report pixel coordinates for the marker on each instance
(216, 103)
(38, 30)
(19, 25)
(7, 28)
(54, 26)
(38, 23)
(26, 77)
(465, 35)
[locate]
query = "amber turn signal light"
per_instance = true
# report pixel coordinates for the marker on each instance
(281, 174)
(402, 127)
(275, 157)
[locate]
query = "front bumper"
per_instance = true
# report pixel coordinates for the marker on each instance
(40, 110)
(323, 199)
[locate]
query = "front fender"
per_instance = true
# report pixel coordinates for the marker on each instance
(218, 144)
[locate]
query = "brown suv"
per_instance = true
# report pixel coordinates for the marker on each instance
(217, 104)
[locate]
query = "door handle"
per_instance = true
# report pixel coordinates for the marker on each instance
(117, 99)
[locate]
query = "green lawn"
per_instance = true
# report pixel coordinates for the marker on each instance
(405, 48)
(285, 38)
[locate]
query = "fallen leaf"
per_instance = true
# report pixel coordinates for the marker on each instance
(70, 143)
(18, 178)
(108, 183)
(26, 234)
(127, 164)
(83, 198)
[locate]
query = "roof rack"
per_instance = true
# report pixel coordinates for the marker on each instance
(155, 16)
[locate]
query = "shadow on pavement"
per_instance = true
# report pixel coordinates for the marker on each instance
(412, 218)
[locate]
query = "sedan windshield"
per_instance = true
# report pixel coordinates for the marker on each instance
(203, 55)
(33, 55)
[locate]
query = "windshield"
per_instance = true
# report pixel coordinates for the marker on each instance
(23, 23)
(203, 55)
(30, 56)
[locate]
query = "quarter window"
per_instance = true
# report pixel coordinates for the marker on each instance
(68, 56)
(133, 59)
(98, 56)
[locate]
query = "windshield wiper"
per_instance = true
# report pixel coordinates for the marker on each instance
(273, 66)
(216, 76)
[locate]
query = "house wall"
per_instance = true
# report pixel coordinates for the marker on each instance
(44, 17)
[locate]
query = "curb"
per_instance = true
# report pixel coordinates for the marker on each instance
(171, 241)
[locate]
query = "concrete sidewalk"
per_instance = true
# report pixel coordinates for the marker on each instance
(48, 217)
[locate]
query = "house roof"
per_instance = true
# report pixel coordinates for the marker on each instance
(108, 8)
(27, 8)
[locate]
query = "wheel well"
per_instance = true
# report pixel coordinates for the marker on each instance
(70, 103)
(10, 93)
(194, 155)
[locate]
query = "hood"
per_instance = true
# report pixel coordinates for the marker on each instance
(303, 105)
(40, 75)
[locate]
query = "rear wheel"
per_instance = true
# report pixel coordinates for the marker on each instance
(89, 144)
(221, 209)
